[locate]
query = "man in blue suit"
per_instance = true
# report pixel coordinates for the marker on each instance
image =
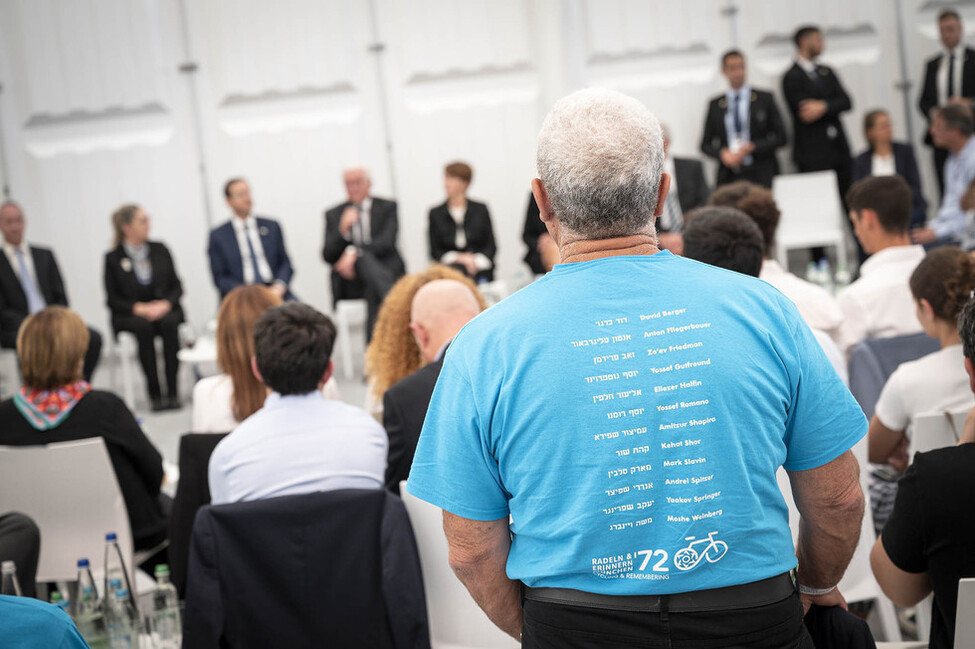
(248, 249)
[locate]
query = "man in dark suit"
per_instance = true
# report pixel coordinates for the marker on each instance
(816, 99)
(743, 128)
(948, 77)
(248, 249)
(439, 310)
(29, 281)
(688, 189)
(360, 245)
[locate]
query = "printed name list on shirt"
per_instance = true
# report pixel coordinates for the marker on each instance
(647, 381)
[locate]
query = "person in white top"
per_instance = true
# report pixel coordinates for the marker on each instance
(816, 306)
(879, 304)
(221, 402)
(299, 442)
(941, 285)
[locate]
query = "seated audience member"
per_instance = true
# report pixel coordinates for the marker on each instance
(393, 353)
(879, 303)
(818, 308)
(27, 623)
(542, 252)
(941, 285)
(727, 238)
(884, 157)
(460, 231)
(20, 542)
(927, 543)
(724, 237)
(951, 128)
(29, 281)
(298, 442)
(221, 402)
(57, 405)
(688, 189)
(438, 311)
(360, 245)
(143, 292)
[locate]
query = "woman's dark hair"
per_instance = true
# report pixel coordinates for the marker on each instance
(945, 278)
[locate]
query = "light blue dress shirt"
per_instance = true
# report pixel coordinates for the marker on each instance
(951, 220)
(298, 444)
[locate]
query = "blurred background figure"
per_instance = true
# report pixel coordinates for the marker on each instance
(885, 157)
(460, 231)
(143, 292)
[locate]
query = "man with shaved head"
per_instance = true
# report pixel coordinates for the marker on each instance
(604, 443)
(440, 309)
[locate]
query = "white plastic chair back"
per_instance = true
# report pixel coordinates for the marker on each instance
(456, 621)
(936, 430)
(965, 615)
(858, 584)
(812, 214)
(71, 492)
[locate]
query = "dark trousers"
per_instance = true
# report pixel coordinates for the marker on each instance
(373, 279)
(20, 542)
(940, 156)
(558, 626)
(145, 332)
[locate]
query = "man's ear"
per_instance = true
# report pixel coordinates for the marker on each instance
(329, 370)
(421, 334)
(662, 194)
(541, 199)
(257, 372)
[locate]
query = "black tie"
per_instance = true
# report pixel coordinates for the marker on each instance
(738, 113)
(951, 75)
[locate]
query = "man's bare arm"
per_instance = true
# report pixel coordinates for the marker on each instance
(478, 554)
(830, 502)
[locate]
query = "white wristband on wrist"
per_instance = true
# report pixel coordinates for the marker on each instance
(815, 592)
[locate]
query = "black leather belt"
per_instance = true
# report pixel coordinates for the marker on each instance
(756, 593)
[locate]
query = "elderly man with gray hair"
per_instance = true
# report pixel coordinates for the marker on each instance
(604, 442)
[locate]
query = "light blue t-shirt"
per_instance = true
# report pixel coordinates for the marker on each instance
(27, 623)
(630, 414)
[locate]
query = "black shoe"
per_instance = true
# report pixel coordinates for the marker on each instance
(173, 403)
(158, 405)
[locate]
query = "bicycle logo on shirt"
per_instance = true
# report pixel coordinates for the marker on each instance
(689, 557)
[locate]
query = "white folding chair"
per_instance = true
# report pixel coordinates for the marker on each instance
(9, 373)
(126, 352)
(348, 314)
(964, 620)
(812, 214)
(858, 584)
(71, 492)
(936, 430)
(456, 621)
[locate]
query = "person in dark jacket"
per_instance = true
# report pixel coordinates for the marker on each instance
(460, 229)
(143, 293)
(884, 157)
(56, 405)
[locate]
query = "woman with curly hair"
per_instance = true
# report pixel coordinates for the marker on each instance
(393, 353)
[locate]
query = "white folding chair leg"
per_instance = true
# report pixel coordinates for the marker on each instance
(125, 357)
(345, 346)
(888, 619)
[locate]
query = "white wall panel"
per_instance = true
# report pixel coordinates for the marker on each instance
(94, 116)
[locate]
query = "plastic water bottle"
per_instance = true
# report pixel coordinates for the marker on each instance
(168, 630)
(87, 609)
(123, 621)
(115, 566)
(842, 277)
(10, 585)
(58, 600)
(825, 275)
(812, 273)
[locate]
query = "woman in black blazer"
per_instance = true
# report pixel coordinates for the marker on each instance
(460, 230)
(886, 157)
(143, 292)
